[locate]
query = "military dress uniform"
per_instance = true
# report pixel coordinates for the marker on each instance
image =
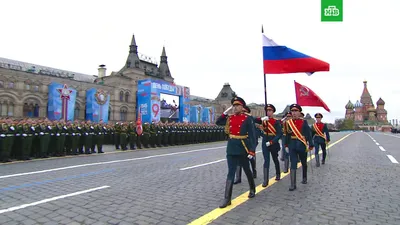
(272, 132)
(321, 137)
(240, 147)
(285, 155)
(298, 141)
(238, 174)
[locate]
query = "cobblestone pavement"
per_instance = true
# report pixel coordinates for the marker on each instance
(357, 185)
(150, 187)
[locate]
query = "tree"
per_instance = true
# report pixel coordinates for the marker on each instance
(344, 124)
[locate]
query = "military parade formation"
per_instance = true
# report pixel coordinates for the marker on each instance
(41, 138)
(296, 135)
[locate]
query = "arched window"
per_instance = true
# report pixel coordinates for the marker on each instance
(28, 110)
(36, 88)
(127, 97)
(76, 113)
(121, 96)
(11, 85)
(1, 84)
(10, 109)
(36, 110)
(123, 114)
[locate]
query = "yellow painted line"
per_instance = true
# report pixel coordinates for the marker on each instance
(214, 214)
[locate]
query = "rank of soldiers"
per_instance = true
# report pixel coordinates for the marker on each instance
(42, 138)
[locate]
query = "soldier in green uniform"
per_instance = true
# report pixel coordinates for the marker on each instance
(132, 135)
(153, 135)
(44, 138)
(240, 148)
(88, 137)
(99, 130)
(75, 136)
(8, 132)
(159, 132)
(146, 135)
(117, 138)
(82, 135)
(123, 136)
(27, 133)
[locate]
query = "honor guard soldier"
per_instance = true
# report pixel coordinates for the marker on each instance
(238, 176)
(272, 132)
(285, 155)
(321, 137)
(298, 142)
(240, 147)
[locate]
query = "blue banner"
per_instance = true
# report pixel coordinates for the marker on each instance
(61, 103)
(196, 114)
(97, 105)
(208, 115)
(148, 100)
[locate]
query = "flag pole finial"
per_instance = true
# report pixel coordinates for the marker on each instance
(262, 29)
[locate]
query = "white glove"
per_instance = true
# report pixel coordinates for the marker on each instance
(227, 110)
(268, 144)
(286, 149)
(249, 156)
(265, 118)
(24, 135)
(2, 135)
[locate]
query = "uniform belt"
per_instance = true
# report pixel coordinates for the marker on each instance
(269, 134)
(239, 137)
(295, 137)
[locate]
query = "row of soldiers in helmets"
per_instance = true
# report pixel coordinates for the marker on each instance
(293, 134)
(165, 134)
(41, 138)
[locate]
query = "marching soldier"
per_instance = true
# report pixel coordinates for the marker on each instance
(44, 132)
(298, 142)
(285, 155)
(240, 148)
(146, 135)
(272, 132)
(75, 136)
(238, 176)
(321, 137)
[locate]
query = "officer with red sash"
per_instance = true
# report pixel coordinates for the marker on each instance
(272, 132)
(240, 148)
(321, 137)
(298, 142)
(238, 176)
(285, 155)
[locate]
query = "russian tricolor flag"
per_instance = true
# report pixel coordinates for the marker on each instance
(281, 59)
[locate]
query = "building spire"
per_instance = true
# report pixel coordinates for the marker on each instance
(133, 60)
(366, 96)
(164, 68)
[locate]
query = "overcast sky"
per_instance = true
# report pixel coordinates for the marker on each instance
(209, 43)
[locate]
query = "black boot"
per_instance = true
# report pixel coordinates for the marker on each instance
(286, 165)
(292, 180)
(228, 194)
(238, 175)
(278, 171)
(304, 181)
(252, 185)
(253, 167)
(317, 160)
(266, 177)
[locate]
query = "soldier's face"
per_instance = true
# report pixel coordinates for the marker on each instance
(295, 113)
(270, 112)
(318, 119)
(237, 109)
